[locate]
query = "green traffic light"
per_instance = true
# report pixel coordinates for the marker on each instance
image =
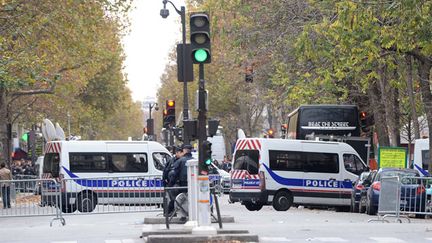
(24, 137)
(200, 55)
(208, 162)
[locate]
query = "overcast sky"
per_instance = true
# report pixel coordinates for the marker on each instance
(148, 45)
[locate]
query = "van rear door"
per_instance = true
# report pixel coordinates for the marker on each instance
(245, 172)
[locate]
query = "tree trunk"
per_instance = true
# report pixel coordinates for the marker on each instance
(424, 73)
(378, 113)
(410, 90)
(5, 143)
(386, 99)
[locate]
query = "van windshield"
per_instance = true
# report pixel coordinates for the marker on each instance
(247, 160)
(52, 164)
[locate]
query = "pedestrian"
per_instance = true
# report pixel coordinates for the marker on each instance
(169, 178)
(5, 175)
(181, 167)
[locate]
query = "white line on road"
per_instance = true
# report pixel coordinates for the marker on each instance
(386, 239)
(329, 239)
(64, 242)
(274, 239)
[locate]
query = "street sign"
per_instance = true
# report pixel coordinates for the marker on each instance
(395, 157)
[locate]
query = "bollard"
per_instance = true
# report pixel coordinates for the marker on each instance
(204, 219)
(192, 193)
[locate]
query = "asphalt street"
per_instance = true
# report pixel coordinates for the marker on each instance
(294, 225)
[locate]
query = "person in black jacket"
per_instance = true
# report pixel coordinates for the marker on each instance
(169, 179)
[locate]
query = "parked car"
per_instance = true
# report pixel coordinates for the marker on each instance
(363, 190)
(413, 194)
(358, 187)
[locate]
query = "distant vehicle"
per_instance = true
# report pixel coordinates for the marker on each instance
(329, 123)
(412, 194)
(421, 156)
(140, 162)
(218, 176)
(218, 145)
(361, 185)
(283, 172)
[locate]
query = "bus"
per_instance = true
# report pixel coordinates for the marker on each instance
(318, 120)
(329, 123)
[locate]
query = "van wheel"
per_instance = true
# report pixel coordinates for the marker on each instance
(86, 202)
(253, 206)
(282, 201)
(68, 208)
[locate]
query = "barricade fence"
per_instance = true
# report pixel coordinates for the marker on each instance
(405, 196)
(23, 198)
(95, 195)
(111, 194)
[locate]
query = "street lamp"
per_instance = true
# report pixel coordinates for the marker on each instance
(164, 12)
(150, 123)
(151, 106)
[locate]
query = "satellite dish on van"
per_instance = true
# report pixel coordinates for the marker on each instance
(60, 135)
(44, 134)
(240, 134)
(50, 130)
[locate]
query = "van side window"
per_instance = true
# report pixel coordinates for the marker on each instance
(247, 160)
(425, 159)
(322, 163)
(353, 164)
(160, 159)
(286, 160)
(129, 162)
(88, 162)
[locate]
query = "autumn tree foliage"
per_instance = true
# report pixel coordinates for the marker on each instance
(65, 57)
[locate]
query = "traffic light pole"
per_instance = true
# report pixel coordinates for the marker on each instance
(185, 91)
(202, 120)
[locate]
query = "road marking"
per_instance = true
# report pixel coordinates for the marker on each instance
(386, 239)
(329, 239)
(64, 242)
(274, 239)
(120, 241)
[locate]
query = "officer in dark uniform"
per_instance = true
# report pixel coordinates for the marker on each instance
(169, 177)
(181, 167)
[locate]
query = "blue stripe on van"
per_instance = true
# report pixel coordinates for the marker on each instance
(113, 183)
(309, 183)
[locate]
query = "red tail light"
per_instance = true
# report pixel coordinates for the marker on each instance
(376, 185)
(262, 181)
(359, 187)
(421, 189)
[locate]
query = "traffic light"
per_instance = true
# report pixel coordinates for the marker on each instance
(207, 151)
(200, 38)
(25, 137)
(165, 123)
(270, 133)
(366, 121)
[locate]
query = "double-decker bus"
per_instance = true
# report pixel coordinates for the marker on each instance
(328, 122)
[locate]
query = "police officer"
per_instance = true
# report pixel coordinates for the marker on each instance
(181, 165)
(169, 177)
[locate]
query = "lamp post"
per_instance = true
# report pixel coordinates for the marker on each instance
(182, 12)
(150, 123)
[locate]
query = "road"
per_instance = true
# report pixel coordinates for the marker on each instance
(294, 225)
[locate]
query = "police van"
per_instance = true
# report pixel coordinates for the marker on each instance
(103, 172)
(281, 172)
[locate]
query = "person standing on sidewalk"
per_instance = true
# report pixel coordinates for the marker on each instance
(5, 175)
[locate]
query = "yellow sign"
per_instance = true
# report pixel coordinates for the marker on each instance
(394, 157)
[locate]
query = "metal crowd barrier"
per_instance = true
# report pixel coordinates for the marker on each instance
(416, 196)
(402, 197)
(26, 199)
(45, 197)
(112, 194)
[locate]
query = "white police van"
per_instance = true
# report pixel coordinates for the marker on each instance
(103, 172)
(283, 172)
